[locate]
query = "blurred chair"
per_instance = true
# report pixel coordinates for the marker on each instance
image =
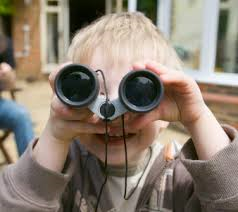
(5, 133)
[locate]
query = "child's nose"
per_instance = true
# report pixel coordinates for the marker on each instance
(112, 91)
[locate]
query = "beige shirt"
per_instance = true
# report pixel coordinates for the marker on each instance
(117, 183)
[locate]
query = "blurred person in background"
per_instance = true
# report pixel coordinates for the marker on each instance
(13, 116)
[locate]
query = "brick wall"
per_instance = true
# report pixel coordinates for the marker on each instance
(223, 101)
(29, 66)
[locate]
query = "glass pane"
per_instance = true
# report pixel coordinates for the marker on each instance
(52, 38)
(125, 5)
(52, 2)
(117, 5)
(149, 8)
(227, 37)
(186, 30)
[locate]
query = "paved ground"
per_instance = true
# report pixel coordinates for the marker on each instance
(36, 97)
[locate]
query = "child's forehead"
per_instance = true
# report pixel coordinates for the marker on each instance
(119, 65)
(113, 70)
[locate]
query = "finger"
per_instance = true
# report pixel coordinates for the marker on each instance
(6, 67)
(80, 127)
(176, 78)
(143, 120)
(138, 65)
(54, 73)
(5, 71)
(94, 119)
(157, 67)
(68, 113)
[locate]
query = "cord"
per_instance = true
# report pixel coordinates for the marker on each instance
(106, 142)
(127, 197)
(84, 167)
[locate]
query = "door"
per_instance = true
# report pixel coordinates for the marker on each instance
(54, 33)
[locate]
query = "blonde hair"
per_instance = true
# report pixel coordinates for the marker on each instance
(123, 35)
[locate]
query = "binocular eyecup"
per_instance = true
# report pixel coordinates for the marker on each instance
(78, 86)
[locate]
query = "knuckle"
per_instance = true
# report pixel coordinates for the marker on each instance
(51, 77)
(58, 108)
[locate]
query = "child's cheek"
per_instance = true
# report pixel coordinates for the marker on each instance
(149, 134)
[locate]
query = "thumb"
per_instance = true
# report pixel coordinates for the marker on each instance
(144, 119)
(54, 73)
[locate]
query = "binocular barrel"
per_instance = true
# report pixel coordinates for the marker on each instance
(78, 86)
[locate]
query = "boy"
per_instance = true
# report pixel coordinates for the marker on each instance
(43, 180)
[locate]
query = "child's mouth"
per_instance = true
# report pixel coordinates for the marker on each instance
(115, 138)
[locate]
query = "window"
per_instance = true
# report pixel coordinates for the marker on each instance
(149, 8)
(227, 38)
(205, 35)
(54, 33)
(113, 6)
(186, 30)
(52, 38)
(52, 2)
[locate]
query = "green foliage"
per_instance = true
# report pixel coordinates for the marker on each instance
(148, 7)
(6, 7)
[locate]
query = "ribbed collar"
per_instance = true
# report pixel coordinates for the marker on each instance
(119, 171)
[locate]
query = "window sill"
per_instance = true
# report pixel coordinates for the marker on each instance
(226, 79)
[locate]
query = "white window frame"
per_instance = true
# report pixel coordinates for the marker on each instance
(63, 29)
(164, 16)
(206, 73)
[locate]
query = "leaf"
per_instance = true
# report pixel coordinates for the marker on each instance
(6, 7)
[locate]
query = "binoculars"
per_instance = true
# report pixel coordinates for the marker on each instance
(139, 91)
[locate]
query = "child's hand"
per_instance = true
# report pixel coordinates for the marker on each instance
(182, 100)
(63, 126)
(4, 69)
(66, 123)
(7, 77)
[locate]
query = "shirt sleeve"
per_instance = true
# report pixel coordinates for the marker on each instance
(27, 186)
(215, 180)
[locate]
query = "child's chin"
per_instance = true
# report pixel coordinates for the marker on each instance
(116, 162)
(114, 159)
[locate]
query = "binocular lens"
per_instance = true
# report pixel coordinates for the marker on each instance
(77, 86)
(140, 91)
